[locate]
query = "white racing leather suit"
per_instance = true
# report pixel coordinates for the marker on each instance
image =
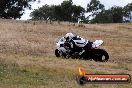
(79, 45)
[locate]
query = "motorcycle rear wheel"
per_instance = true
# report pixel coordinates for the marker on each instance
(100, 55)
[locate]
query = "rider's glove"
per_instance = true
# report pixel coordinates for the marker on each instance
(81, 52)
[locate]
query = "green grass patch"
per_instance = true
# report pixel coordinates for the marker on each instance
(14, 75)
(125, 67)
(100, 72)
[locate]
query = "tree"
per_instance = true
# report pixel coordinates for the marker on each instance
(113, 15)
(95, 7)
(103, 17)
(12, 9)
(66, 7)
(117, 14)
(77, 13)
(71, 12)
(128, 11)
(64, 12)
(58, 13)
(46, 12)
(36, 15)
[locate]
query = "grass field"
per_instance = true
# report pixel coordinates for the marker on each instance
(27, 57)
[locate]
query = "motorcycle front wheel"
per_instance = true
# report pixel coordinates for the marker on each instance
(57, 54)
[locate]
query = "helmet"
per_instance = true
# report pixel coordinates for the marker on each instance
(69, 36)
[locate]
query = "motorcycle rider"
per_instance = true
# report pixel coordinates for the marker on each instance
(76, 44)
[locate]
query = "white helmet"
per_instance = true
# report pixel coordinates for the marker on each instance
(69, 36)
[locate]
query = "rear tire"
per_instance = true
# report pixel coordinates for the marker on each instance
(101, 55)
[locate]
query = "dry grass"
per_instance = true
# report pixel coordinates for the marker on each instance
(27, 54)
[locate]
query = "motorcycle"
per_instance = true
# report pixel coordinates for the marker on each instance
(94, 53)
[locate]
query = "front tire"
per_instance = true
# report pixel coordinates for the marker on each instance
(57, 53)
